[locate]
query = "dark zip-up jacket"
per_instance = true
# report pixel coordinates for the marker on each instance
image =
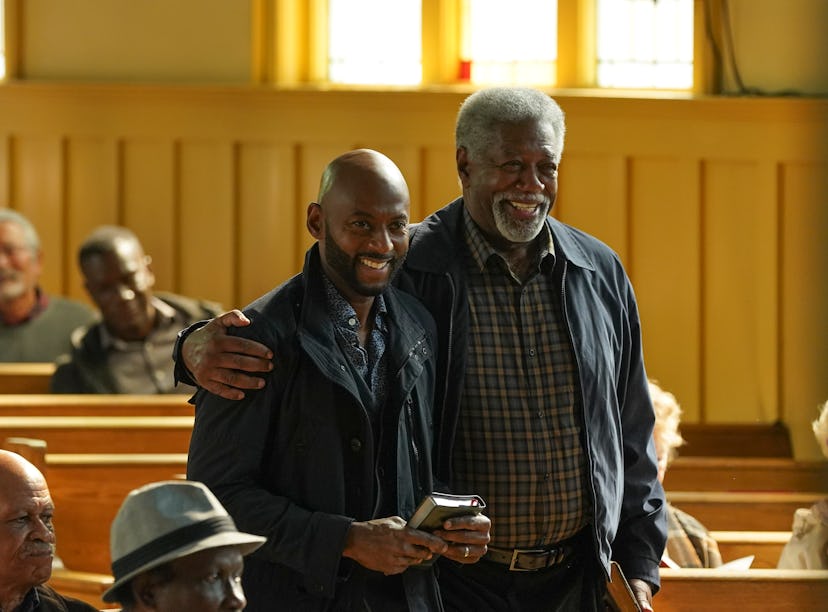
(86, 369)
(601, 317)
(296, 461)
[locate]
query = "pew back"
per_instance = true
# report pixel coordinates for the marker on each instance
(768, 590)
(25, 377)
(735, 511)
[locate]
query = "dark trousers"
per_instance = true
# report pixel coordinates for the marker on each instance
(576, 585)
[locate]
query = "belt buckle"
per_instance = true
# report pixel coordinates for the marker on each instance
(520, 551)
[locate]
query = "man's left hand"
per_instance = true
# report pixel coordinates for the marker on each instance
(643, 594)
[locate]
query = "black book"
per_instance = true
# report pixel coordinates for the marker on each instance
(437, 508)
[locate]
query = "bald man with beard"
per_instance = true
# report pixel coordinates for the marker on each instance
(332, 456)
(27, 541)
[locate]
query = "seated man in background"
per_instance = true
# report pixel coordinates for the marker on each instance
(689, 543)
(808, 546)
(34, 326)
(130, 350)
(27, 541)
(175, 549)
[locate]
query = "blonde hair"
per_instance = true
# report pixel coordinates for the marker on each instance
(667, 419)
(821, 429)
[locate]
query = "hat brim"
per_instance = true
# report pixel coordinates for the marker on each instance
(246, 542)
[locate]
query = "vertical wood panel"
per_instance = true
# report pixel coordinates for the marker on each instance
(205, 234)
(593, 197)
(739, 272)
(269, 221)
(440, 182)
(664, 246)
(805, 300)
(5, 164)
(149, 204)
(91, 198)
(37, 191)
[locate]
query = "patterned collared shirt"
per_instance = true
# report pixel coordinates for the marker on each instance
(519, 436)
(146, 366)
(369, 361)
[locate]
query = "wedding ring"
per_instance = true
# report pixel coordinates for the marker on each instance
(465, 552)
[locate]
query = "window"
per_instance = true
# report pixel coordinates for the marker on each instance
(564, 43)
(375, 42)
(645, 43)
(517, 45)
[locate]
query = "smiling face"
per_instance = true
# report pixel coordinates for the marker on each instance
(27, 538)
(361, 223)
(20, 263)
(510, 187)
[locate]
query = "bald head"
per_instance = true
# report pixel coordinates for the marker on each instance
(27, 538)
(14, 467)
(349, 170)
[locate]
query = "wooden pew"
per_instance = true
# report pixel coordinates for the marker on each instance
(25, 377)
(736, 440)
(746, 474)
(88, 489)
(94, 405)
(765, 546)
(86, 586)
(103, 434)
(768, 590)
(749, 511)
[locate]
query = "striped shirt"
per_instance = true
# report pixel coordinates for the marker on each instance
(519, 438)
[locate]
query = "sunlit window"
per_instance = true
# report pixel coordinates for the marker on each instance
(642, 43)
(509, 43)
(375, 42)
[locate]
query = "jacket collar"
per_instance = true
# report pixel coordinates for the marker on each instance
(446, 227)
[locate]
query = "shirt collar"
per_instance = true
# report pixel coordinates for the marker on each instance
(343, 314)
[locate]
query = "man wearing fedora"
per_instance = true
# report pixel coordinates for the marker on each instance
(174, 548)
(27, 541)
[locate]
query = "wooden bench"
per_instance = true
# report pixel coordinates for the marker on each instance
(86, 586)
(88, 489)
(735, 511)
(25, 377)
(94, 405)
(746, 474)
(765, 590)
(736, 440)
(103, 434)
(765, 546)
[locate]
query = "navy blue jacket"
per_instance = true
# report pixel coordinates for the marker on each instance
(297, 462)
(601, 317)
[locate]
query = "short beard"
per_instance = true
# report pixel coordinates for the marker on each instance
(345, 267)
(12, 289)
(517, 231)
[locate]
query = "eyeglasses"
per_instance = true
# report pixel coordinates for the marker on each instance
(13, 251)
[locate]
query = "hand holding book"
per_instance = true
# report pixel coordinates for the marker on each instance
(467, 542)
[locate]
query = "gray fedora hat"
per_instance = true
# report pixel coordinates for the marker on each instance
(163, 521)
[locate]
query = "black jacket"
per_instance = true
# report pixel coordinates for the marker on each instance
(296, 461)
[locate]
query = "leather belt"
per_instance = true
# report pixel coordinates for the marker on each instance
(529, 559)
